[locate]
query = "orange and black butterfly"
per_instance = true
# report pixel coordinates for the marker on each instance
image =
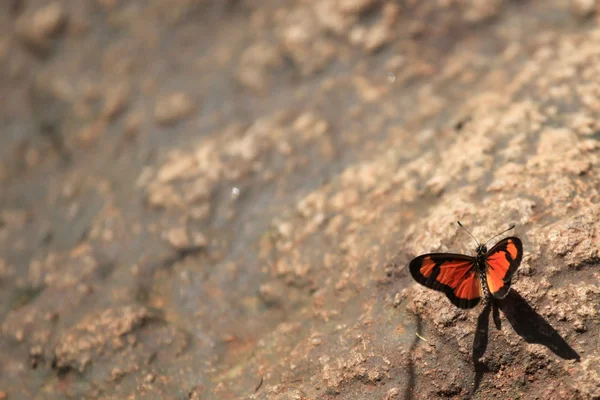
(465, 279)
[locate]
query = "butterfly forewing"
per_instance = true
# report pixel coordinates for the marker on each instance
(454, 274)
(501, 263)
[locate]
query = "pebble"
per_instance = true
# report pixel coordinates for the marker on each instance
(173, 108)
(38, 29)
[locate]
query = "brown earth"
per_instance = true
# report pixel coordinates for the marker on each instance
(218, 199)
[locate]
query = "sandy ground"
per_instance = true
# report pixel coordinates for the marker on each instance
(218, 199)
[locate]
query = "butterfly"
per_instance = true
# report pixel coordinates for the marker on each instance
(465, 279)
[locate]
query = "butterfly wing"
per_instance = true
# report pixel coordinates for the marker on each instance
(454, 274)
(501, 263)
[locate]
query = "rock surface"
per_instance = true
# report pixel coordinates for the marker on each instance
(218, 199)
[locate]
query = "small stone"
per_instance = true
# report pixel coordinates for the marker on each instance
(257, 65)
(38, 29)
(178, 238)
(397, 299)
(579, 326)
(149, 378)
(173, 108)
(195, 393)
(36, 351)
(271, 293)
(182, 241)
(115, 102)
(393, 393)
(199, 240)
(116, 374)
(285, 229)
(177, 168)
(377, 37)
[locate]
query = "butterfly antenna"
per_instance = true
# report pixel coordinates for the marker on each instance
(461, 225)
(501, 233)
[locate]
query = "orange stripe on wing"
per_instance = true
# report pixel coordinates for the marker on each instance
(512, 250)
(453, 274)
(501, 263)
(469, 288)
(495, 278)
(461, 278)
(427, 267)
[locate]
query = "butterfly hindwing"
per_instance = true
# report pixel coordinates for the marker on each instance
(501, 263)
(454, 274)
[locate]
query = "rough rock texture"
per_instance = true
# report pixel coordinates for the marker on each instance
(218, 199)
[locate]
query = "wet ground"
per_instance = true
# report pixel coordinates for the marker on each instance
(218, 199)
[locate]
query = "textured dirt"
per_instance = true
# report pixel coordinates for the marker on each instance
(218, 199)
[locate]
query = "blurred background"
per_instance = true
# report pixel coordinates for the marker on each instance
(217, 199)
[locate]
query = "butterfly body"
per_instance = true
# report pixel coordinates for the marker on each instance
(465, 279)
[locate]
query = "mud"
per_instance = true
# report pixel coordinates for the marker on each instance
(218, 199)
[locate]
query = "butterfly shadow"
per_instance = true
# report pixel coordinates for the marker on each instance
(525, 321)
(480, 342)
(411, 382)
